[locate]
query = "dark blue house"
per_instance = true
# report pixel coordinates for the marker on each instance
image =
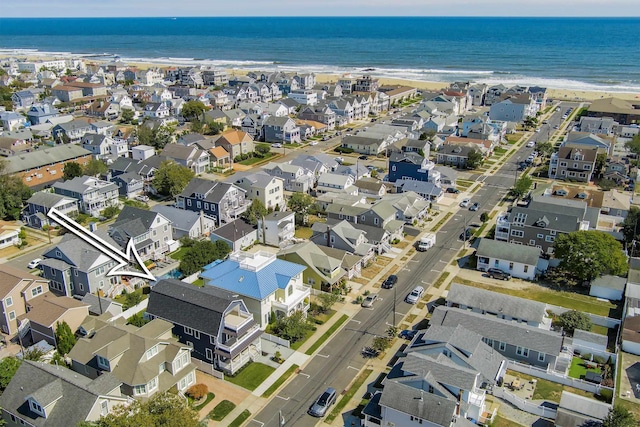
(409, 165)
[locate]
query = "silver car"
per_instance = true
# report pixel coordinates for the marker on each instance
(415, 295)
(369, 300)
(322, 403)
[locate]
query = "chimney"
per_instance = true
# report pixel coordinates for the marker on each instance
(328, 236)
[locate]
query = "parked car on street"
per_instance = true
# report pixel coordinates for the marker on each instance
(474, 207)
(407, 334)
(390, 282)
(465, 203)
(322, 403)
(34, 263)
(415, 295)
(452, 190)
(369, 300)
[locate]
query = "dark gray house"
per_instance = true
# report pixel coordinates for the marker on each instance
(220, 200)
(221, 332)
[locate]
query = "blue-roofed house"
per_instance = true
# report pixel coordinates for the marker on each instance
(40, 113)
(264, 282)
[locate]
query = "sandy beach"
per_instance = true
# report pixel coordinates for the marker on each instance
(553, 93)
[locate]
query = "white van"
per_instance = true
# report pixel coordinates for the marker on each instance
(426, 242)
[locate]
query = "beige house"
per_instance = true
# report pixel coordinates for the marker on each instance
(9, 234)
(236, 142)
(147, 360)
(264, 187)
(47, 310)
(17, 289)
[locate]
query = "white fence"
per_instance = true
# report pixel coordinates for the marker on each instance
(584, 349)
(192, 278)
(607, 322)
(525, 405)
(207, 368)
(556, 377)
(141, 306)
(276, 340)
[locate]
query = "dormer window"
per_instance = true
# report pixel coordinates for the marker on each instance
(581, 195)
(103, 362)
(35, 407)
(152, 352)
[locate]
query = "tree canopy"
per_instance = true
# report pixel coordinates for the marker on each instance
(255, 211)
(545, 148)
(192, 110)
(95, 167)
(202, 253)
(619, 416)
(522, 186)
(589, 254)
(72, 170)
(572, 320)
(64, 338)
(474, 159)
(13, 193)
(127, 115)
(631, 230)
(8, 367)
(157, 137)
(171, 178)
(301, 204)
(162, 410)
(633, 145)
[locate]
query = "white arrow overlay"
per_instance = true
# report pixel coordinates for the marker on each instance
(106, 248)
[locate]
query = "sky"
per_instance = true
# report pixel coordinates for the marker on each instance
(142, 8)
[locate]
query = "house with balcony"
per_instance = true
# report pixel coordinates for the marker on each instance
(195, 225)
(147, 360)
(514, 108)
(409, 165)
(41, 113)
(345, 236)
(304, 97)
(441, 379)
(222, 201)
(598, 125)
(220, 331)
(276, 228)
(518, 260)
(74, 267)
(40, 203)
(268, 189)
(281, 129)
(322, 114)
(72, 131)
(17, 288)
(41, 394)
(235, 142)
(103, 147)
(188, 156)
(151, 232)
(93, 194)
(296, 178)
(539, 222)
(156, 110)
(573, 164)
(265, 284)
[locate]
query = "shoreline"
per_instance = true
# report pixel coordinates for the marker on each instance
(561, 94)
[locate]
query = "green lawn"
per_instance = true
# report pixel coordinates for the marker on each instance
(441, 279)
(442, 221)
(254, 160)
(569, 300)
(598, 329)
(240, 419)
(296, 345)
(280, 381)
(578, 369)
(548, 390)
(348, 395)
(326, 335)
(199, 282)
(463, 183)
(503, 422)
(221, 410)
(177, 255)
(251, 376)
(303, 233)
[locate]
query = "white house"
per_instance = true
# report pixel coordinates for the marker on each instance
(631, 335)
(608, 287)
(304, 97)
(142, 152)
(518, 260)
(276, 228)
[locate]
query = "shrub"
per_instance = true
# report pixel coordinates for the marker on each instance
(599, 360)
(586, 356)
(197, 391)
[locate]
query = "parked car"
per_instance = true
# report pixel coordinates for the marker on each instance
(467, 234)
(315, 142)
(474, 207)
(276, 145)
(452, 190)
(34, 263)
(531, 144)
(363, 157)
(415, 295)
(322, 403)
(465, 203)
(496, 273)
(142, 198)
(407, 334)
(369, 300)
(390, 282)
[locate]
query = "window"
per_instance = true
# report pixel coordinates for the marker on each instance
(541, 357)
(549, 239)
(209, 354)
(532, 242)
(190, 344)
(152, 352)
(188, 331)
(36, 291)
(196, 334)
(140, 389)
(212, 339)
(502, 346)
(81, 287)
(522, 351)
(8, 302)
(103, 363)
(35, 407)
(161, 368)
(488, 341)
(198, 204)
(517, 233)
(153, 384)
(526, 268)
(75, 273)
(539, 236)
(375, 221)
(12, 315)
(510, 266)
(104, 407)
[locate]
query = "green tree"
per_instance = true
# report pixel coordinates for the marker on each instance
(95, 167)
(196, 126)
(381, 343)
(589, 254)
(137, 320)
(545, 148)
(522, 186)
(601, 161)
(633, 145)
(631, 229)
(192, 110)
(162, 410)
(484, 217)
(71, 170)
(163, 136)
(572, 320)
(474, 159)
(292, 328)
(65, 339)
(327, 300)
(13, 193)
(110, 212)
(35, 354)
(530, 122)
(145, 135)
(171, 178)
(255, 211)
(301, 204)
(619, 416)
(8, 367)
(127, 115)
(263, 149)
(212, 127)
(202, 252)
(132, 299)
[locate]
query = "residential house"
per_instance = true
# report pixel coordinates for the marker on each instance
(17, 288)
(41, 167)
(623, 111)
(615, 206)
(238, 234)
(104, 110)
(365, 145)
(89, 90)
(66, 93)
(345, 236)
(485, 147)
(266, 284)
(281, 129)
(538, 223)
(220, 331)
(371, 187)
(186, 223)
(334, 182)
(220, 159)
(574, 164)
(608, 287)
(514, 108)
(222, 201)
(276, 228)
(420, 146)
(357, 171)
(454, 155)
(142, 152)
(253, 125)
(268, 189)
(425, 189)
(156, 110)
(322, 114)
(46, 311)
(235, 143)
(130, 184)
(72, 131)
(502, 306)
(518, 260)
(93, 194)
(147, 360)
(575, 410)
(12, 146)
(598, 125)
(41, 113)
(10, 120)
(289, 103)
(514, 340)
(40, 203)
(304, 97)
(40, 394)
(188, 156)
(440, 380)
(602, 142)
(296, 178)
(150, 231)
(410, 165)
(23, 99)
(631, 334)
(100, 305)
(9, 234)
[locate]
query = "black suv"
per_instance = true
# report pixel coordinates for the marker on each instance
(496, 273)
(390, 282)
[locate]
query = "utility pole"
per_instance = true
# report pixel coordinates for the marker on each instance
(395, 293)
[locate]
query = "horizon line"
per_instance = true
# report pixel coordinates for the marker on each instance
(330, 16)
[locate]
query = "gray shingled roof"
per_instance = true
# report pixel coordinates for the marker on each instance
(591, 337)
(428, 406)
(47, 383)
(234, 230)
(497, 303)
(46, 156)
(134, 221)
(187, 305)
(46, 199)
(180, 219)
(514, 333)
(528, 255)
(608, 281)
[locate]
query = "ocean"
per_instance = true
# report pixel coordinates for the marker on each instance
(570, 53)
